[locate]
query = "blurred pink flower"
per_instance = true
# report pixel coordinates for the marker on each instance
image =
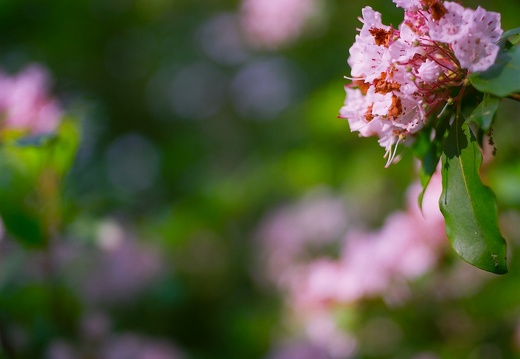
(274, 23)
(287, 235)
(377, 263)
(299, 350)
(25, 103)
(117, 346)
(289, 239)
(131, 346)
(123, 268)
(322, 329)
(60, 349)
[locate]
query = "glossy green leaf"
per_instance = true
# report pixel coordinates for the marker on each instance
(484, 114)
(468, 206)
(511, 32)
(501, 79)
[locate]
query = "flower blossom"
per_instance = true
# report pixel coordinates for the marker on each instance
(370, 263)
(407, 246)
(286, 235)
(401, 76)
(25, 104)
(271, 24)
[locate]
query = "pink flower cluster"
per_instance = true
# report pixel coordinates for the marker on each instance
(288, 234)
(402, 76)
(371, 263)
(274, 23)
(378, 263)
(25, 104)
(115, 346)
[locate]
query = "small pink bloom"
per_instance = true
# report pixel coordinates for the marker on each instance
(475, 54)
(453, 25)
(429, 71)
(408, 4)
(486, 24)
(371, 19)
(25, 103)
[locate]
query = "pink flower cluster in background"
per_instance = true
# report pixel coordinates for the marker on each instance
(274, 23)
(288, 234)
(117, 346)
(402, 76)
(378, 263)
(121, 268)
(25, 104)
(371, 263)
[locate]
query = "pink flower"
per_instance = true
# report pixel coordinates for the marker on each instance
(132, 346)
(121, 346)
(298, 351)
(475, 54)
(375, 263)
(408, 4)
(453, 26)
(287, 234)
(486, 24)
(25, 104)
(274, 23)
(473, 33)
(403, 76)
(123, 266)
(429, 71)
(371, 263)
(371, 19)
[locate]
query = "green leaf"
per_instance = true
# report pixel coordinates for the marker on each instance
(64, 148)
(506, 35)
(429, 152)
(468, 206)
(19, 172)
(503, 77)
(35, 140)
(484, 114)
(511, 32)
(31, 173)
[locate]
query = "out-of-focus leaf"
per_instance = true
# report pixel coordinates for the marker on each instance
(484, 114)
(503, 77)
(19, 172)
(35, 141)
(63, 149)
(55, 307)
(468, 206)
(429, 153)
(31, 171)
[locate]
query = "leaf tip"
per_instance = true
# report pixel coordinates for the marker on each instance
(500, 264)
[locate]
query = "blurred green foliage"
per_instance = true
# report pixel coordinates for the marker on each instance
(197, 187)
